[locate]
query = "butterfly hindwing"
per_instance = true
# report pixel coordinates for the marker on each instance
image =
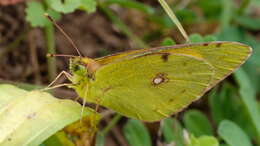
(152, 86)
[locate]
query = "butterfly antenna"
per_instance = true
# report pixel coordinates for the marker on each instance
(60, 55)
(63, 32)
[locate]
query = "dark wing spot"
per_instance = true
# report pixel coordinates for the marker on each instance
(31, 115)
(106, 89)
(218, 45)
(170, 100)
(205, 44)
(183, 91)
(165, 57)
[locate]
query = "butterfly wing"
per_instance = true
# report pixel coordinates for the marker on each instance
(224, 56)
(151, 86)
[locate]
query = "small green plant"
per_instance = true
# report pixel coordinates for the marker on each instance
(35, 16)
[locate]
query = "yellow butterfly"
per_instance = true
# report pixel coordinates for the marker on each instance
(151, 84)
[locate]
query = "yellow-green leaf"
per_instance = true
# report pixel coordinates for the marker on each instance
(28, 118)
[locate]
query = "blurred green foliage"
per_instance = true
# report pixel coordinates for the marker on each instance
(233, 106)
(136, 133)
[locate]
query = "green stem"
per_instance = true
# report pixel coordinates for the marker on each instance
(122, 27)
(226, 14)
(243, 7)
(111, 124)
(175, 20)
(49, 36)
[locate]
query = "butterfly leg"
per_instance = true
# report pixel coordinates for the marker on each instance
(57, 86)
(97, 105)
(67, 75)
(84, 102)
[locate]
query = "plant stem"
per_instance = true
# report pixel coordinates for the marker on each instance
(111, 124)
(226, 14)
(122, 27)
(174, 19)
(49, 36)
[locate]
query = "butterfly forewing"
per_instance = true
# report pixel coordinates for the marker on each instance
(224, 56)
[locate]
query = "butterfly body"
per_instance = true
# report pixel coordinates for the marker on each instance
(151, 84)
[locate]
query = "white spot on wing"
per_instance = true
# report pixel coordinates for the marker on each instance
(158, 80)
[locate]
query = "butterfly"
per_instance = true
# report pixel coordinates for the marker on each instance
(152, 84)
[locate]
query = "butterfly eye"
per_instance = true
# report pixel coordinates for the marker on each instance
(76, 68)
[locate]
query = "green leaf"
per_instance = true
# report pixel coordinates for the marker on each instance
(67, 6)
(231, 34)
(88, 5)
(249, 23)
(232, 134)
(253, 64)
(210, 8)
(223, 103)
(248, 96)
(58, 139)
(210, 38)
(35, 14)
(172, 132)
(29, 118)
(226, 102)
(203, 141)
(136, 133)
(255, 44)
(168, 42)
(55, 15)
(196, 38)
(197, 123)
(187, 16)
